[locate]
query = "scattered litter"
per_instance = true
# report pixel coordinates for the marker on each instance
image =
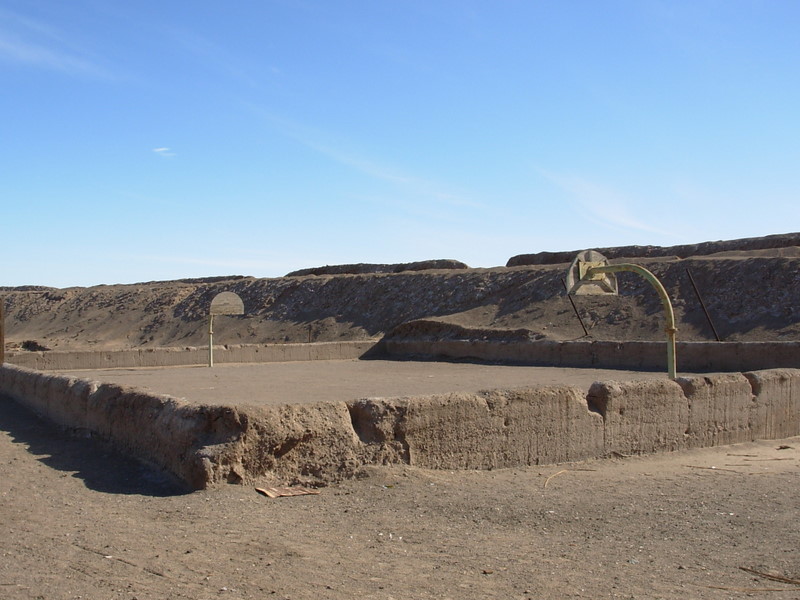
(772, 577)
(278, 492)
(750, 590)
(546, 481)
(711, 468)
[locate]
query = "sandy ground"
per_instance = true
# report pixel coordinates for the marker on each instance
(79, 521)
(338, 380)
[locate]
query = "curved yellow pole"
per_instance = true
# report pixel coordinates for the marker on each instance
(211, 340)
(662, 293)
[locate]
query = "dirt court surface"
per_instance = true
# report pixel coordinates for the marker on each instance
(80, 521)
(342, 380)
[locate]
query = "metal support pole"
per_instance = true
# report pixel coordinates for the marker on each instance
(665, 301)
(575, 308)
(702, 304)
(210, 340)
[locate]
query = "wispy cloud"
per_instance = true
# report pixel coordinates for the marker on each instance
(165, 152)
(239, 68)
(335, 150)
(28, 42)
(603, 204)
(25, 53)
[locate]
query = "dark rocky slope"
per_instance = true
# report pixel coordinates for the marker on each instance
(751, 295)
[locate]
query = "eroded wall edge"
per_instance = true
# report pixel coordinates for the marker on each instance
(192, 355)
(315, 444)
(634, 355)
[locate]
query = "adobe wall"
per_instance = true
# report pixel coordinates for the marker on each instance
(175, 357)
(329, 441)
(634, 355)
(161, 430)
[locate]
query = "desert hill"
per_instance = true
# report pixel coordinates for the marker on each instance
(751, 289)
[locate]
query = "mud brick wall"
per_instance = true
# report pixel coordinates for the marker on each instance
(173, 357)
(691, 356)
(315, 444)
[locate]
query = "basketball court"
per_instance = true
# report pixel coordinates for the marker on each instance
(343, 380)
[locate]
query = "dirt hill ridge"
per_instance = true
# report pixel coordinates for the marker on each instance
(750, 294)
(769, 242)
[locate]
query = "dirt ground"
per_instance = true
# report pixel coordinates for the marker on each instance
(344, 380)
(79, 521)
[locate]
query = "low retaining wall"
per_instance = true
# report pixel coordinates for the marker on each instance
(691, 356)
(318, 443)
(696, 357)
(175, 357)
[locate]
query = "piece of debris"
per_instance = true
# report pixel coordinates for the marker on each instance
(553, 475)
(772, 576)
(749, 590)
(784, 447)
(278, 492)
(711, 468)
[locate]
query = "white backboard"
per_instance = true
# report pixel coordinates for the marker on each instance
(581, 284)
(227, 303)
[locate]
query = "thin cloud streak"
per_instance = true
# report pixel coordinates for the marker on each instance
(19, 52)
(384, 173)
(603, 204)
(17, 47)
(308, 138)
(217, 57)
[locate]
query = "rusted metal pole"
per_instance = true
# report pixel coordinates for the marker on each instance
(703, 305)
(575, 308)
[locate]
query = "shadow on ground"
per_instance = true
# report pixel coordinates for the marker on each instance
(101, 468)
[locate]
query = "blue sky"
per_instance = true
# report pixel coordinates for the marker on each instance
(157, 140)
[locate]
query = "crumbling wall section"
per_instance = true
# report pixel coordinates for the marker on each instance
(776, 412)
(188, 440)
(720, 409)
(601, 354)
(641, 416)
(502, 428)
(191, 355)
(315, 444)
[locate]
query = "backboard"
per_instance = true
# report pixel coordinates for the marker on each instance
(581, 284)
(227, 303)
